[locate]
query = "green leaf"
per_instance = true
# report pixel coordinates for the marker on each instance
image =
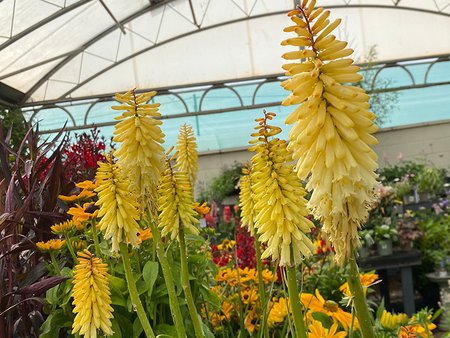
(323, 318)
(117, 332)
(53, 324)
(117, 283)
(118, 300)
(141, 287)
(206, 331)
(51, 296)
(194, 238)
(137, 328)
(165, 330)
(150, 273)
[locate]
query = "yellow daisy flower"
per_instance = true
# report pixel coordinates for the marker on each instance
(51, 245)
(316, 303)
(316, 330)
(63, 227)
(367, 280)
(278, 312)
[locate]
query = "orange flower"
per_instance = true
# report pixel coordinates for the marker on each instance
(80, 215)
(144, 235)
(201, 209)
(83, 195)
(268, 276)
(87, 185)
(367, 280)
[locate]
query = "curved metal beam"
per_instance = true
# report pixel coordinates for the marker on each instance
(87, 44)
(43, 22)
(228, 23)
(142, 51)
(150, 7)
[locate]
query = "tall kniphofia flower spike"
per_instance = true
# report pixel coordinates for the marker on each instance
(332, 127)
(281, 219)
(246, 198)
(140, 155)
(176, 203)
(186, 153)
(91, 297)
(119, 208)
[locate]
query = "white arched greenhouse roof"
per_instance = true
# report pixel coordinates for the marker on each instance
(60, 50)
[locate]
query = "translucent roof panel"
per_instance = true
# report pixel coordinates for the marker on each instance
(61, 50)
(221, 125)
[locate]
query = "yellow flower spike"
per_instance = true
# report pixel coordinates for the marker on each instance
(390, 321)
(140, 155)
(91, 297)
(176, 203)
(246, 199)
(51, 245)
(281, 218)
(63, 227)
(119, 209)
(186, 152)
(332, 127)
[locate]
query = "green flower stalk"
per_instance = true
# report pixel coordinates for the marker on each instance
(186, 153)
(248, 214)
(141, 154)
(177, 214)
(332, 127)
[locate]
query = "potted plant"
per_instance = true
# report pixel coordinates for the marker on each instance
(408, 231)
(430, 182)
(366, 238)
(385, 235)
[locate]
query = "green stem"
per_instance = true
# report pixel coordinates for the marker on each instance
(168, 277)
(242, 331)
(95, 237)
(362, 310)
(261, 289)
(134, 295)
(70, 247)
(294, 299)
(186, 285)
(54, 262)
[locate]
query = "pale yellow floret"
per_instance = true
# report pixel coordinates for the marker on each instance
(141, 154)
(186, 153)
(91, 297)
(246, 199)
(280, 221)
(332, 129)
(119, 208)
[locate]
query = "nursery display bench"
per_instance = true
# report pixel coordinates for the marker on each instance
(403, 261)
